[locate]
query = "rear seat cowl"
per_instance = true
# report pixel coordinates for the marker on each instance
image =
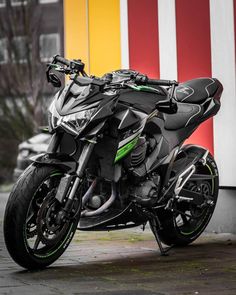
(197, 90)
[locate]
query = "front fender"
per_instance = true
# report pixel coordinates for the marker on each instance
(63, 161)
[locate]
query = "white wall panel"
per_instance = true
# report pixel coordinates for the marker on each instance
(167, 39)
(223, 68)
(124, 34)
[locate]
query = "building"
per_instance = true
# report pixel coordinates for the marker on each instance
(170, 39)
(47, 28)
(31, 32)
(180, 40)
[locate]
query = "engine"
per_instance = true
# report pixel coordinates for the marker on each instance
(146, 193)
(144, 190)
(137, 156)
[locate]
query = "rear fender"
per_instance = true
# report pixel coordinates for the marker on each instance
(174, 162)
(63, 161)
(181, 165)
(200, 152)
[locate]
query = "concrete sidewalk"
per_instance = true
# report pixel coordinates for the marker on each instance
(128, 262)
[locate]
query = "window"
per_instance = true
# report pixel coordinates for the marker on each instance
(49, 46)
(47, 1)
(2, 3)
(18, 2)
(3, 51)
(19, 46)
(24, 2)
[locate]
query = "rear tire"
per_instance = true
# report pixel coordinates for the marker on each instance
(181, 233)
(28, 209)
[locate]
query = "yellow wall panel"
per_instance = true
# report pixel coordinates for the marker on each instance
(76, 30)
(104, 36)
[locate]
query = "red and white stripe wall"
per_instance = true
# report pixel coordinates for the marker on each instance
(169, 39)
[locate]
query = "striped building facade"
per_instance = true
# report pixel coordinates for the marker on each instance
(169, 39)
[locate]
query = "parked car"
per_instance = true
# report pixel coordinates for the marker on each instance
(31, 147)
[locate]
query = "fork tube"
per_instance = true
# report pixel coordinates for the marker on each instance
(83, 161)
(84, 157)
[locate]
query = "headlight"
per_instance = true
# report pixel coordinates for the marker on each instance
(72, 123)
(77, 121)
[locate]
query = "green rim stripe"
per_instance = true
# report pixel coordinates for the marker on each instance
(62, 244)
(189, 233)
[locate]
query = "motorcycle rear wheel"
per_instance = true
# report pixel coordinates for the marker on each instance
(33, 236)
(181, 230)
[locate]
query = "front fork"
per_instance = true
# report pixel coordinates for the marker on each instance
(83, 161)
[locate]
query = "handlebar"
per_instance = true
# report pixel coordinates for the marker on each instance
(143, 79)
(62, 60)
(167, 106)
(77, 67)
(161, 82)
(73, 66)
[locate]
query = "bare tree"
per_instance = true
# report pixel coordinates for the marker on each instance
(22, 78)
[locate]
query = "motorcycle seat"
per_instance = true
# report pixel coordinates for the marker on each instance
(196, 91)
(187, 114)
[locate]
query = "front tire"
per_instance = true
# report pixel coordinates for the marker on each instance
(33, 237)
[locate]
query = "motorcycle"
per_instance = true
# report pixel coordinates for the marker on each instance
(116, 160)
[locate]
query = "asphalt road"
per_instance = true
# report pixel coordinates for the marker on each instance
(3, 200)
(127, 263)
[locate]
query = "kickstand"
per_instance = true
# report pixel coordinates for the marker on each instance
(154, 226)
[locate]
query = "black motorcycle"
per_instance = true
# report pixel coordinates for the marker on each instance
(116, 160)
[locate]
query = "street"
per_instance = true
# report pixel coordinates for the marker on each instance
(3, 200)
(127, 263)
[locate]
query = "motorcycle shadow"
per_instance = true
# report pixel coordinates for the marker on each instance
(142, 259)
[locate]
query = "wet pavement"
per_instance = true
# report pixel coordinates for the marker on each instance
(127, 262)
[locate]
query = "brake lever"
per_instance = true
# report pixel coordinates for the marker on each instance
(56, 67)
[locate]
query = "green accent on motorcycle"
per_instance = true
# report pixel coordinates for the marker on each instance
(144, 88)
(124, 150)
(56, 174)
(58, 248)
(190, 233)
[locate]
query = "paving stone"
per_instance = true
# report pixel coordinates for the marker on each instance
(127, 263)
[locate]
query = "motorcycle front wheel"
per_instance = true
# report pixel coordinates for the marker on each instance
(34, 235)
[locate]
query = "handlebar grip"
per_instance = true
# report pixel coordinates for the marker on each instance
(160, 82)
(143, 80)
(62, 60)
